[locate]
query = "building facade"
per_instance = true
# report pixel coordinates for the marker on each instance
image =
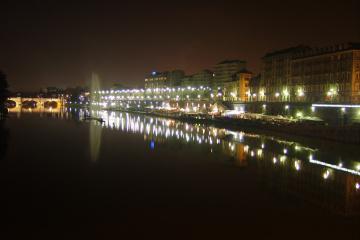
(225, 71)
(238, 89)
(329, 74)
(204, 78)
(276, 73)
(164, 79)
(304, 74)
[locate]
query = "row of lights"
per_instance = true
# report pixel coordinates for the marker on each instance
(299, 93)
(155, 90)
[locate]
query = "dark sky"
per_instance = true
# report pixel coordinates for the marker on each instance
(60, 43)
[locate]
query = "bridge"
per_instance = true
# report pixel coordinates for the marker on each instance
(38, 102)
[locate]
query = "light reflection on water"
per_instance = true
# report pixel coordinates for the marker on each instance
(95, 140)
(297, 168)
(328, 178)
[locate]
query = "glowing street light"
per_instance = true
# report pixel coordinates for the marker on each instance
(299, 114)
(262, 93)
(300, 92)
(286, 93)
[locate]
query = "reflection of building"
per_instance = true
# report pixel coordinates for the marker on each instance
(314, 183)
(241, 159)
(164, 79)
(284, 166)
(307, 74)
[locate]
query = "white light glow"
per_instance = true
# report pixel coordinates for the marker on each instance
(335, 167)
(336, 105)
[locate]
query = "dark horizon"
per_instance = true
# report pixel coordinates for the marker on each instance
(62, 43)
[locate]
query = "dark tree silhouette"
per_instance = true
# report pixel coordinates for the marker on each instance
(3, 93)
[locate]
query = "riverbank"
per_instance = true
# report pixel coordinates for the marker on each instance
(313, 129)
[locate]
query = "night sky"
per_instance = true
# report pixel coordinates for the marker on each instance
(60, 43)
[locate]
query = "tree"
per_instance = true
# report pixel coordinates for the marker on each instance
(3, 93)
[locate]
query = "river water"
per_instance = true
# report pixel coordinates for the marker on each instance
(142, 176)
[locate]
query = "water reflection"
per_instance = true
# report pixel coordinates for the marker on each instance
(4, 136)
(95, 128)
(316, 175)
(329, 177)
(95, 140)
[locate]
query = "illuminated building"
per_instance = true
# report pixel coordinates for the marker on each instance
(330, 74)
(203, 78)
(238, 88)
(164, 79)
(276, 72)
(225, 71)
(304, 74)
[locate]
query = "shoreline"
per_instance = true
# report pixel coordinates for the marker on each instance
(343, 134)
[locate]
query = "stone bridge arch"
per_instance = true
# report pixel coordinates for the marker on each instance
(40, 102)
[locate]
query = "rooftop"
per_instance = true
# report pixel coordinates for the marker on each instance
(306, 51)
(244, 70)
(296, 49)
(231, 61)
(328, 49)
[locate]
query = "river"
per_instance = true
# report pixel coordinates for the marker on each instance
(140, 176)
